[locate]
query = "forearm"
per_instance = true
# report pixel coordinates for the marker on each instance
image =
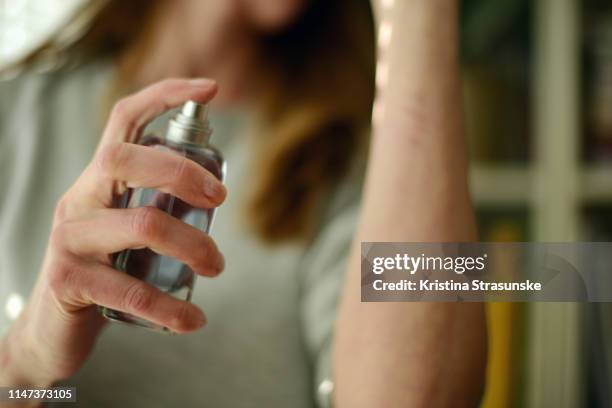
(12, 373)
(18, 367)
(418, 161)
(413, 354)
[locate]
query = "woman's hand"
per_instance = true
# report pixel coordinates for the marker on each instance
(57, 329)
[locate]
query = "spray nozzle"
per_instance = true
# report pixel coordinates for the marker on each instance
(190, 125)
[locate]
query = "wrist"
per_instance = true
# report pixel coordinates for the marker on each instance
(18, 367)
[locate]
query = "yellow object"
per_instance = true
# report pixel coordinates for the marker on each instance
(504, 331)
(500, 389)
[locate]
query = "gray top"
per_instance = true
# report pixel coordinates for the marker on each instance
(270, 313)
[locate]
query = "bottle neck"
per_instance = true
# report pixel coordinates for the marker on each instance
(190, 135)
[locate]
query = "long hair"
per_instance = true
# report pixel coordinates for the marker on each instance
(318, 108)
(315, 107)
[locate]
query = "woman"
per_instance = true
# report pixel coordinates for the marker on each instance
(292, 107)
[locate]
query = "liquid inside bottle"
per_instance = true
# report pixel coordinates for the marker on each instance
(165, 273)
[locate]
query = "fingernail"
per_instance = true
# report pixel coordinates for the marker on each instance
(214, 189)
(201, 82)
(200, 320)
(220, 264)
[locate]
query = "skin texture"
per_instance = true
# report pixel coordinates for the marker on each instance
(386, 355)
(413, 354)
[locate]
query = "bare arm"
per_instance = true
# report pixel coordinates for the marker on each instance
(413, 354)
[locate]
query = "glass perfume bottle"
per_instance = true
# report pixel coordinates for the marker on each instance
(188, 135)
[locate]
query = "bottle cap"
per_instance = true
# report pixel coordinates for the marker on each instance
(190, 125)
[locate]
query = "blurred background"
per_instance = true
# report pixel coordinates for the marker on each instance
(538, 92)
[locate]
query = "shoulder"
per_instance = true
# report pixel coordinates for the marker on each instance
(39, 81)
(10, 89)
(36, 90)
(18, 94)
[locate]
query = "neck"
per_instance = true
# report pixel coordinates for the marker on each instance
(179, 44)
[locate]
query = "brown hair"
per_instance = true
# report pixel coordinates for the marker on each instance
(318, 109)
(315, 108)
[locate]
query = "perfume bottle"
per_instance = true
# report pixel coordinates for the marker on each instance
(188, 135)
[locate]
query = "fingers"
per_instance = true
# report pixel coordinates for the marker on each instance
(142, 166)
(78, 284)
(131, 114)
(84, 231)
(107, 231)
(96, 187)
